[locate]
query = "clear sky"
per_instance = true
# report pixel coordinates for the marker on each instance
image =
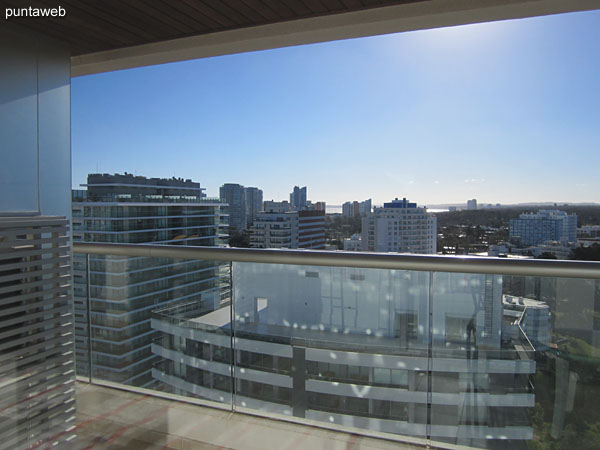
(504, 112)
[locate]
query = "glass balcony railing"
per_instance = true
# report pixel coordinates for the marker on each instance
(473, 352)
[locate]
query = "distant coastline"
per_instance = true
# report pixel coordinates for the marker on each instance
(445, 207)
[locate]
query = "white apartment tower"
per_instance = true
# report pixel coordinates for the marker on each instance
(399, 226)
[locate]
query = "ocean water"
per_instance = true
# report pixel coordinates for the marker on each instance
(337, 209)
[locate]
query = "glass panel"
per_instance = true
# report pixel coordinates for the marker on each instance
(515, 361)
(81, 314)
(561, 320)
(157, 323)
(480, 361)
(339, 345)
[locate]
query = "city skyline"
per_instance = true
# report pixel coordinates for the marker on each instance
(503, 112)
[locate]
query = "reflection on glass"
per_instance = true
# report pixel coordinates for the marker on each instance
(113, 310)
(566, 382)
(356, 341)
(480, 361)
(194, 347)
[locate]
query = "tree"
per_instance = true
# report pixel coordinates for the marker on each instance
(240, 239)
(546, 255)
(591, 253)
(338, 243)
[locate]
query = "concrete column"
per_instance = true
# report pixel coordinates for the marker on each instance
(412, 387)
(560, 396)
(299, 400)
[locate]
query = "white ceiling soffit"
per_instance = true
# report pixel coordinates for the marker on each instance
(370, 22)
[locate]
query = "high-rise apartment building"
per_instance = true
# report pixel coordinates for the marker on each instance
(254, 204)
(543, 226)
(292, 229)
(348, 209)
(472, 204)
(365, 207)
(235, 196)
(244, 203)
(353, 209)
(399, 226)
(124, 290)
(298, 198)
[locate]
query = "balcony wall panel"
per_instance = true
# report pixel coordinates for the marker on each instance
(35, 125)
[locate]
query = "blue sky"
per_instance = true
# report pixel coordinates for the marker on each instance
(504, 112)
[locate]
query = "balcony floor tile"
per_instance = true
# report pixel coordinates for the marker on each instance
(114, 419)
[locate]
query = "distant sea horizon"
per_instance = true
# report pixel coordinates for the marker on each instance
(337, 209)
(440, 208)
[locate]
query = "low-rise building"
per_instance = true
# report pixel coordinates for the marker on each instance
(589, 231)
(276, 207)
(353, 243)
(558, 249)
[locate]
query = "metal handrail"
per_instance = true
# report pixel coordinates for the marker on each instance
(428, 263)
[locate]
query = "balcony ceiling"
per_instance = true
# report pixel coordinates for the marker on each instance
(92, 26)
(107, 35)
